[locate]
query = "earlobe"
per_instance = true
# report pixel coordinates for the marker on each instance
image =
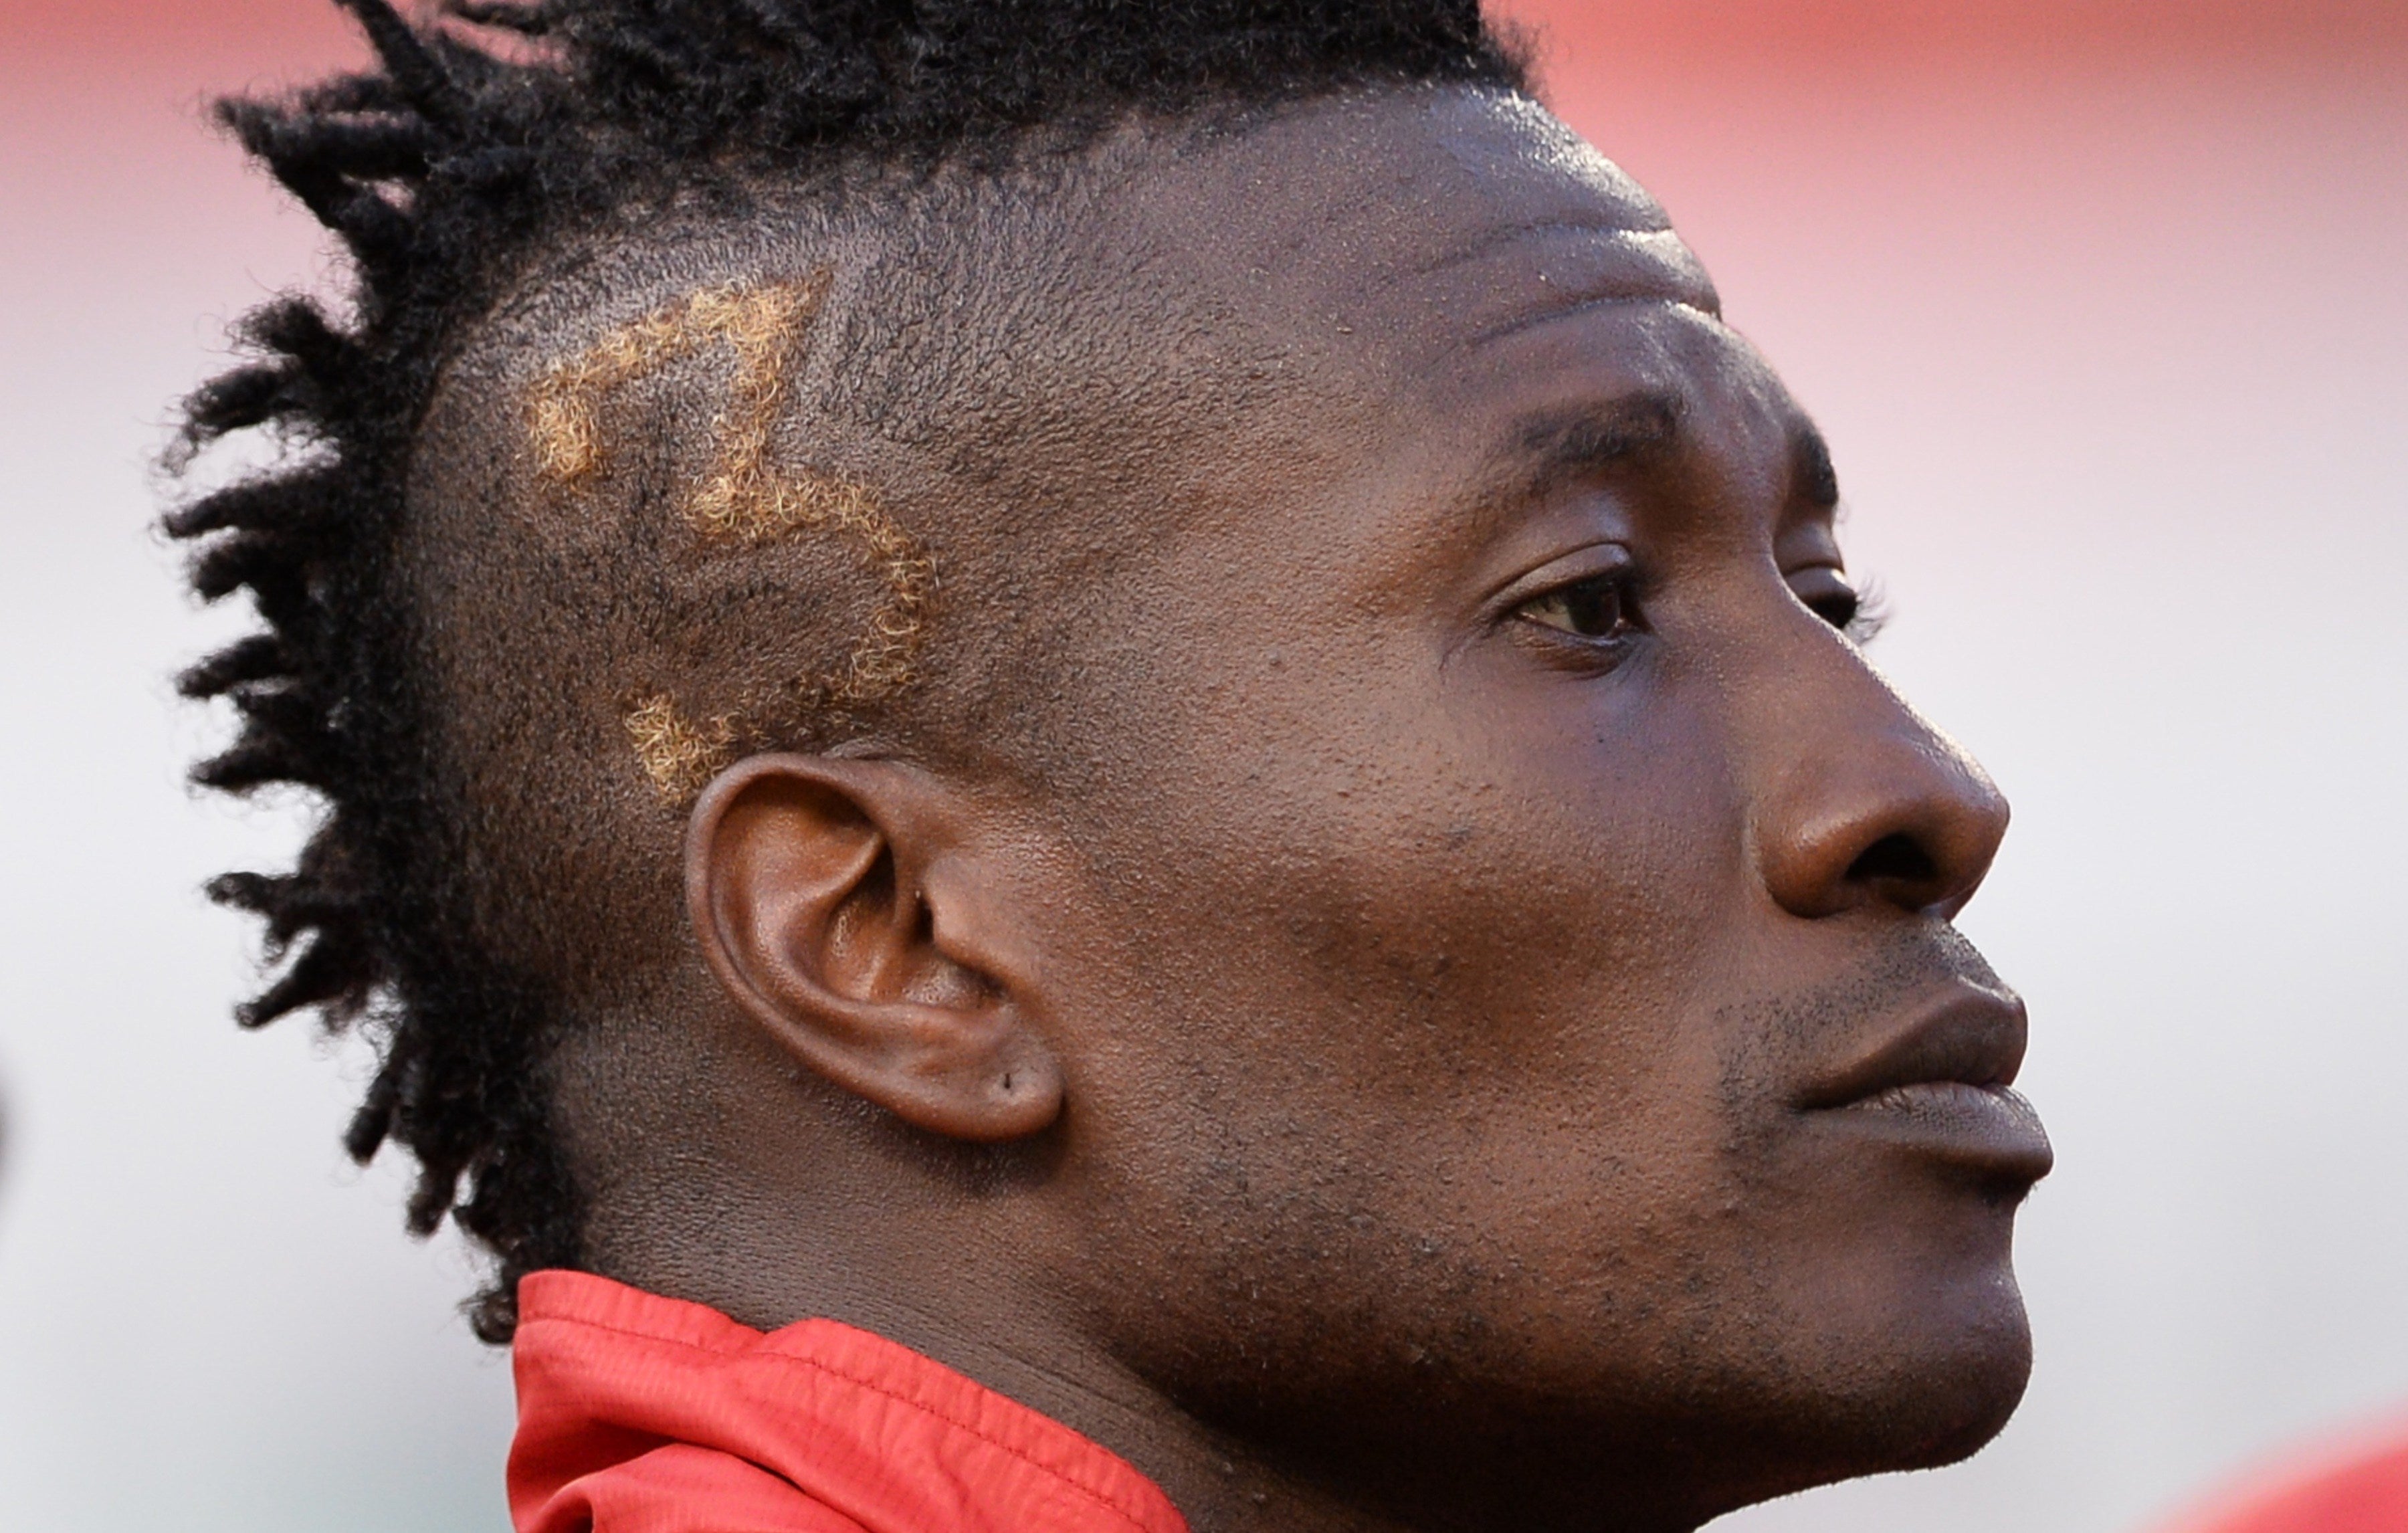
(841, 910)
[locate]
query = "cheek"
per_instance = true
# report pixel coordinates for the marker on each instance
(1516, 888)
(1385, 1055)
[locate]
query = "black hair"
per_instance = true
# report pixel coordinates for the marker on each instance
(479, 141)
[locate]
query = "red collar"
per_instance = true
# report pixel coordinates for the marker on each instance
(642, 1414)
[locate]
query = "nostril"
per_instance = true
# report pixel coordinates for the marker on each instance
(1897, 858)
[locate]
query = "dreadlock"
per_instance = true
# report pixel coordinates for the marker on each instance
(479, 140)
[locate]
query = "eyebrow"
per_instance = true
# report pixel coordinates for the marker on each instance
(1812, 478)
(1557, 448)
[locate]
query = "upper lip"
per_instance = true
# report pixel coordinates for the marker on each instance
(1975, 1037)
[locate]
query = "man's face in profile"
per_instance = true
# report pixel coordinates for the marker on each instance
(1499, 947)
(1443, 938)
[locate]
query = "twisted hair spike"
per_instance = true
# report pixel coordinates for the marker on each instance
(527, 20)
(413, 65)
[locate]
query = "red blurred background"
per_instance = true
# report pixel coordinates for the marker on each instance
(2103, 305)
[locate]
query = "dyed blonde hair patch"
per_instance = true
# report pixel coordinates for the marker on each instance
(742, 497)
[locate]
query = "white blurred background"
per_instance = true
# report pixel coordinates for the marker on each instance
(2106, 309)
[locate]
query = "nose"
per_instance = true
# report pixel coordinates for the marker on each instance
(1869, 806)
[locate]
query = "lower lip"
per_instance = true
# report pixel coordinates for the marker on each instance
(1986, 1127)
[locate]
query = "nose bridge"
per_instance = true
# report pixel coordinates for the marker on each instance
(1856, 799)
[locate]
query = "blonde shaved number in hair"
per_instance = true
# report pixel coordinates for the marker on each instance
(742, 499)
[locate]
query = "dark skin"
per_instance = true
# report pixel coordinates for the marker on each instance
(1477, 1038)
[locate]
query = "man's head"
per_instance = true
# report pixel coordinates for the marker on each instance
(1215, 723)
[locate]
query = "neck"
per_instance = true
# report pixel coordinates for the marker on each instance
(879, 1251)
(1221, 1483)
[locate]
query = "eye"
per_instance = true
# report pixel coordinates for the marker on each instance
(1597, 608)
(1828, 595)
(1836, 608)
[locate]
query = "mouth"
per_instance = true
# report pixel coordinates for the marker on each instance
(1943, 1086)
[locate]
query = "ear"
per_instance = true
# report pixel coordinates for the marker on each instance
(839, 906)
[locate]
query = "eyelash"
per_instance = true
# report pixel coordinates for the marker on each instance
(1858, 615)
(1866, 615)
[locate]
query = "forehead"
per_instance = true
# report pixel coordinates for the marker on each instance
(1446, 272)
(1421, 262)
(1440, 217)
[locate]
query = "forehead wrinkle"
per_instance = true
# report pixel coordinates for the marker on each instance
(1514, 279)
(1503, 237)
(1520, 323)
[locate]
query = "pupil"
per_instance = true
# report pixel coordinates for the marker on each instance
(1594, 607)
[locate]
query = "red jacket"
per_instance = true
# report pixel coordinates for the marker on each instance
(641, 1414)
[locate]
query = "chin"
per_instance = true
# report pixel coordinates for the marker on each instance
(1953, 1406)
(1932, 1390)
(1911, 1351)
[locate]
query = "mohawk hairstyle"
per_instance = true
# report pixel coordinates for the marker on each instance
(480, 137)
